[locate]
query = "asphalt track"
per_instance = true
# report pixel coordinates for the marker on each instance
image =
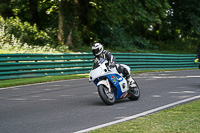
(74, 105)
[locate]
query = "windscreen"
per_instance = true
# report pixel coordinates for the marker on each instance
(98, 63)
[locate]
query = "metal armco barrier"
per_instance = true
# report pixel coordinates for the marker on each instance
(35, 65)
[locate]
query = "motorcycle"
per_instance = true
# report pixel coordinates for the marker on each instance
(112, 85)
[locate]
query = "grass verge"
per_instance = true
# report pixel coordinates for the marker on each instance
(180, 119)
(25, 81)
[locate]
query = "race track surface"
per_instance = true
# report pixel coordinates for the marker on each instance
(69, 106)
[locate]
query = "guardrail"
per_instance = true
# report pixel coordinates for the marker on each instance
(35, 65)
(149, 61)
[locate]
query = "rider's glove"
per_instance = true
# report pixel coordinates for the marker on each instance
(196, 61)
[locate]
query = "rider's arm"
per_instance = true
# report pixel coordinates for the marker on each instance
(110, 58)
(95, 62)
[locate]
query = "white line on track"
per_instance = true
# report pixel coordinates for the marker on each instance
(138, 115)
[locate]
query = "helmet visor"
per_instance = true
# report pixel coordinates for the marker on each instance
(96, 52)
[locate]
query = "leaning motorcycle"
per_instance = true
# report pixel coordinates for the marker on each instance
(112, 85)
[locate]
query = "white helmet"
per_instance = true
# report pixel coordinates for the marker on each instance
(97, 49)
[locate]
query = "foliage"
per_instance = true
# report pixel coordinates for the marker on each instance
(185, 17)
(9, 43)
(126, 25)
(26, 33)
(13, 40)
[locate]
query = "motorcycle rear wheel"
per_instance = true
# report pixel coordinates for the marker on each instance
(134, 92)
(106, 96)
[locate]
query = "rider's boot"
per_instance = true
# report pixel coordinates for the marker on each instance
(129, 79)
(131, 82)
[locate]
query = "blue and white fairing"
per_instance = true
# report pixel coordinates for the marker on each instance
(111, 79)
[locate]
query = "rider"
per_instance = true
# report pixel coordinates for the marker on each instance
(99, 52)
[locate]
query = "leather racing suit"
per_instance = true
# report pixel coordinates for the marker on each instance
(106, 55)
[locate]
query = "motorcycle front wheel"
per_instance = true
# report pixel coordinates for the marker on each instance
(134, 92)
(106, 96)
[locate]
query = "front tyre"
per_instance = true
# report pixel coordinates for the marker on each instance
(134, 92)
(106, 96)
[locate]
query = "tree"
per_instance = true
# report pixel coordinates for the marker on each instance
(185, 16)
(33, 5)
(5, 8)
(67, 21)
(184, 23)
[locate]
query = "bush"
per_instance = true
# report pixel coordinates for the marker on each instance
(12, 44)
(26, 33)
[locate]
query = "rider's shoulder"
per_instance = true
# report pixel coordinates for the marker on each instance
(106, 52)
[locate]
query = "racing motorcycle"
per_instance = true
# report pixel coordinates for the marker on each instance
(112, 85)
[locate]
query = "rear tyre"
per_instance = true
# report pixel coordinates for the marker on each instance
(134, 92)
(106, 96)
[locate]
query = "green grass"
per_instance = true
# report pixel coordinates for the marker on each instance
(25, 81)
(180, 119)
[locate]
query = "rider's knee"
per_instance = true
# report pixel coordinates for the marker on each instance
(125, 72)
